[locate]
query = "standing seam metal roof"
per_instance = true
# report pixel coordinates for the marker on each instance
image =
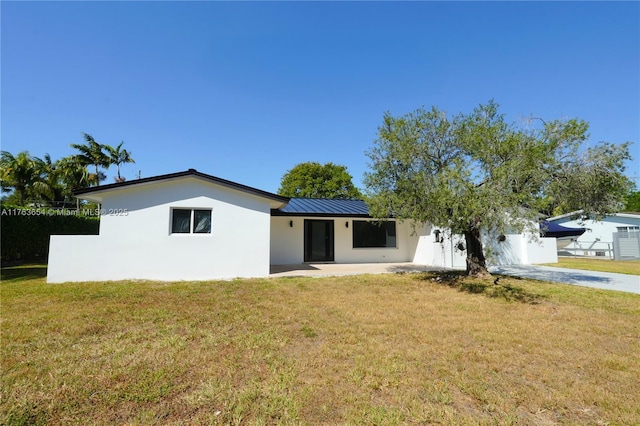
(323, 207)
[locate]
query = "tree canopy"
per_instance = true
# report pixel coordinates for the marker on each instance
(633, 202)
(93, 154)
(23, 173)
(315, 180)
(47, 182)
(477, 173)
(119, 156)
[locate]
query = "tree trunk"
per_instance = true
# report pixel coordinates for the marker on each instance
(21, 193)
(476, 264)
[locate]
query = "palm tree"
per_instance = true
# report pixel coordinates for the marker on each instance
(17, 173)
(74, 175)
(119, 156)
(24, 174)
(92, 153)
(51, 175)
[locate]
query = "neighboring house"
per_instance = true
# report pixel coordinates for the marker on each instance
(193, 226)
(616, 236)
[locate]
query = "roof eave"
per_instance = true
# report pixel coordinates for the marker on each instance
(93, 193)
(277, 212)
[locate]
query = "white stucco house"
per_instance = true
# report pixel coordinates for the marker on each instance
(193, 226)
(615, 236)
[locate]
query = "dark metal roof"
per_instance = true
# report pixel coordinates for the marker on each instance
(190, 172)
(323, 207)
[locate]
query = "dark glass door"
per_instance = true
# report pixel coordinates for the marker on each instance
(318, 240)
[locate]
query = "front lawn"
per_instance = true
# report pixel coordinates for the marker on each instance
(602, 265)
(370, 349)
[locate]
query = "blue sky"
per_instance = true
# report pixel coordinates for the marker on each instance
(245, 91)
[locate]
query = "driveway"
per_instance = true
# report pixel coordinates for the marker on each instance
(602, 280)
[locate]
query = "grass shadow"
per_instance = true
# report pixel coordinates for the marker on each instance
(490, 287)
(23, 272)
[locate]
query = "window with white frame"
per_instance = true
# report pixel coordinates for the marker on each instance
(369, 234)
(190, 221)
(625, 231)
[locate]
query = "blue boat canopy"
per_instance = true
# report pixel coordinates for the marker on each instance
(551, 229)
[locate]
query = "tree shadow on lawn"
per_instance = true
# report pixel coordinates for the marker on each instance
(23, 272)
(490, 286)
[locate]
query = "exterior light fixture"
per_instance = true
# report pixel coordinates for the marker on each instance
(290, 224)
(346, 224)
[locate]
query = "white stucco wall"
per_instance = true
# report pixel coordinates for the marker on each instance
(543, 251)
(441, 252)
(521, 249)
(516, 249)
(287, 242)
(135, 240)
(403, 252)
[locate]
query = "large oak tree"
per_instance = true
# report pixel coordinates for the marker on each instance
(477, 174)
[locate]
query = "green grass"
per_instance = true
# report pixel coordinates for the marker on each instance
(370, 349)
(631, 267)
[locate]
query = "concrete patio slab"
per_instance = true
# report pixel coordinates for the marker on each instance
(337, 269)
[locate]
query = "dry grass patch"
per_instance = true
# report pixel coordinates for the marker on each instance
(631, 267)
(383, 349)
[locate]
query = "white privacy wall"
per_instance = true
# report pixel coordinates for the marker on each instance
(138, 244)
(516, 249)
(440, 252)
(521, 249)
(287, 242)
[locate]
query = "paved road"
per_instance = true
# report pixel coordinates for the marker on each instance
(604, 280)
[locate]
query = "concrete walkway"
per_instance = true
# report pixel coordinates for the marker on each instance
(603, 280)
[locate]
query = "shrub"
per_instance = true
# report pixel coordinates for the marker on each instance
(25, 232)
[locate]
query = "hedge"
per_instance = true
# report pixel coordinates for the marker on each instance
(25, 232)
